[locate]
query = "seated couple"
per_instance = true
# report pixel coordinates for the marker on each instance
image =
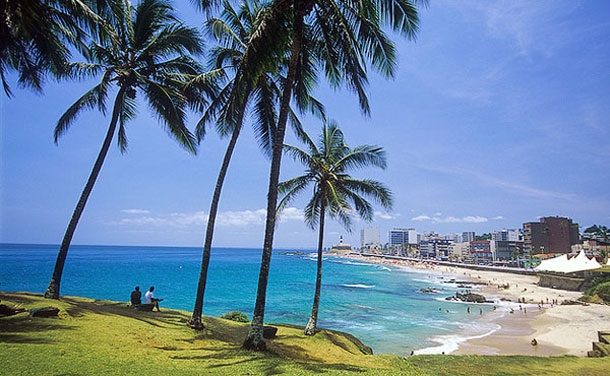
(149, 298)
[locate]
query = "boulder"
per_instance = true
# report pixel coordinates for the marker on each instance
(269, 332)
(143, 307)
(44, 312)
(469, 297)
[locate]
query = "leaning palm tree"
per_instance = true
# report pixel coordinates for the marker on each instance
(36, 36)
(228, 109)
(334, 191)
(350, 35)
(147, 52)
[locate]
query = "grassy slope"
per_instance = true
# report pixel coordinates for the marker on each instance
(108, 338)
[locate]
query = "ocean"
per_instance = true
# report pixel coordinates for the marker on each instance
(381, 305)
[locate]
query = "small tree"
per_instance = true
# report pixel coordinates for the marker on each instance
(334, 191)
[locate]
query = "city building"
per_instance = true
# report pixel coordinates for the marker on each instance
(412, 236)
(506, 235)
(506, 250)
(398, 237)
(480, 251)
(467, 237)
(550, 235)
(459, 251)
(436, 248)
(370, 238)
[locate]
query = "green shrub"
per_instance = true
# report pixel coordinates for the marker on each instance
(591, 299)
(603, 291)
(235, 316)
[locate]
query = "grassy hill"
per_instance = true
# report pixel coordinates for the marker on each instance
(92, 337)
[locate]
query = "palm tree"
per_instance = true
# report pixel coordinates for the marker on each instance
(604, 233)
(147, 52)
(334, 190)
(36, 35)
(228, 109)
(348, 34)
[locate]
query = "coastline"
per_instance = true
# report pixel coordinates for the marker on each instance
(512, 325)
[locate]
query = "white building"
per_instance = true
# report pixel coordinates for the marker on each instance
(370, 237)
(506, 235)
(412, 236)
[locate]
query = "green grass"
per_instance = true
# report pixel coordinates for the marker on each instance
(108, 338)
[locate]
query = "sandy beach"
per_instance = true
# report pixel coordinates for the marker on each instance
(558, 329)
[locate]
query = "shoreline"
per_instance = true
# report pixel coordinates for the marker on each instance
(558, 329)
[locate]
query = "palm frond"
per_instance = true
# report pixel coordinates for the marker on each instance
(95, 97)
(169, 105)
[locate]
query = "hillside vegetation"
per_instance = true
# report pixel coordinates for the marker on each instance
(92, 337)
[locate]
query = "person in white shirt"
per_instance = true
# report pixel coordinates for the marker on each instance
(149, 298)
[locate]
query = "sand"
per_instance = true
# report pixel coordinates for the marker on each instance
(558, 329)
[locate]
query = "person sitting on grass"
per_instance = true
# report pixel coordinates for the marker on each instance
(136, 297)
(149, 298)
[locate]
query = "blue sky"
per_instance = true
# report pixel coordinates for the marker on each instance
(498, 115)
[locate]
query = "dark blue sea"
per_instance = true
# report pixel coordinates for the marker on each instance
(382, 305)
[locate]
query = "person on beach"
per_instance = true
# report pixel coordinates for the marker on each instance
(149, 298)
(136, 296)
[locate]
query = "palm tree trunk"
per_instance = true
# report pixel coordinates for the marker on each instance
(310, 328)
(53, 288)
(195, 321)
(254, 339)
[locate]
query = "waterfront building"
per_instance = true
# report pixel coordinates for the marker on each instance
(398, 237)
(435, 247)
(550, 235)
(412, 236)
(370, 238)
(459, 251)
(480, 251)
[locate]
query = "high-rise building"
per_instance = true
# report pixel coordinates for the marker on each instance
(369, 237)
(398, 236)
(550, 235)
(412, 236)
(468, 237)
(506, 235)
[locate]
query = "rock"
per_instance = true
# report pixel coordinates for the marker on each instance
(44, 312)
(469, 297)
(143, 307)
(269, 332)
(429, 290)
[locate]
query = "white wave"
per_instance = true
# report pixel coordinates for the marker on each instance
(344, 262)
(450, 343)
(358, 286)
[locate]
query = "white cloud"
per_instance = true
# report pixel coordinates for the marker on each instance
(421, 218)
(291, 214)
(498, 218)
(451, 219)
(383, 215)
(135, 211)
(186, 220)
(242, 218)
(474, 219)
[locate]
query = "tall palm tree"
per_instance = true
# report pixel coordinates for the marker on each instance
(350, 34)
(36, 35)
(228, 109)
(147, 51)
(335, 192)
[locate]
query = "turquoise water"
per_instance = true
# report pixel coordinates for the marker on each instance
(382, 305)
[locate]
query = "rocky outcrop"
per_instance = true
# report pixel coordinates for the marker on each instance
(269, 332)
(469, 297)
(44, 312)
